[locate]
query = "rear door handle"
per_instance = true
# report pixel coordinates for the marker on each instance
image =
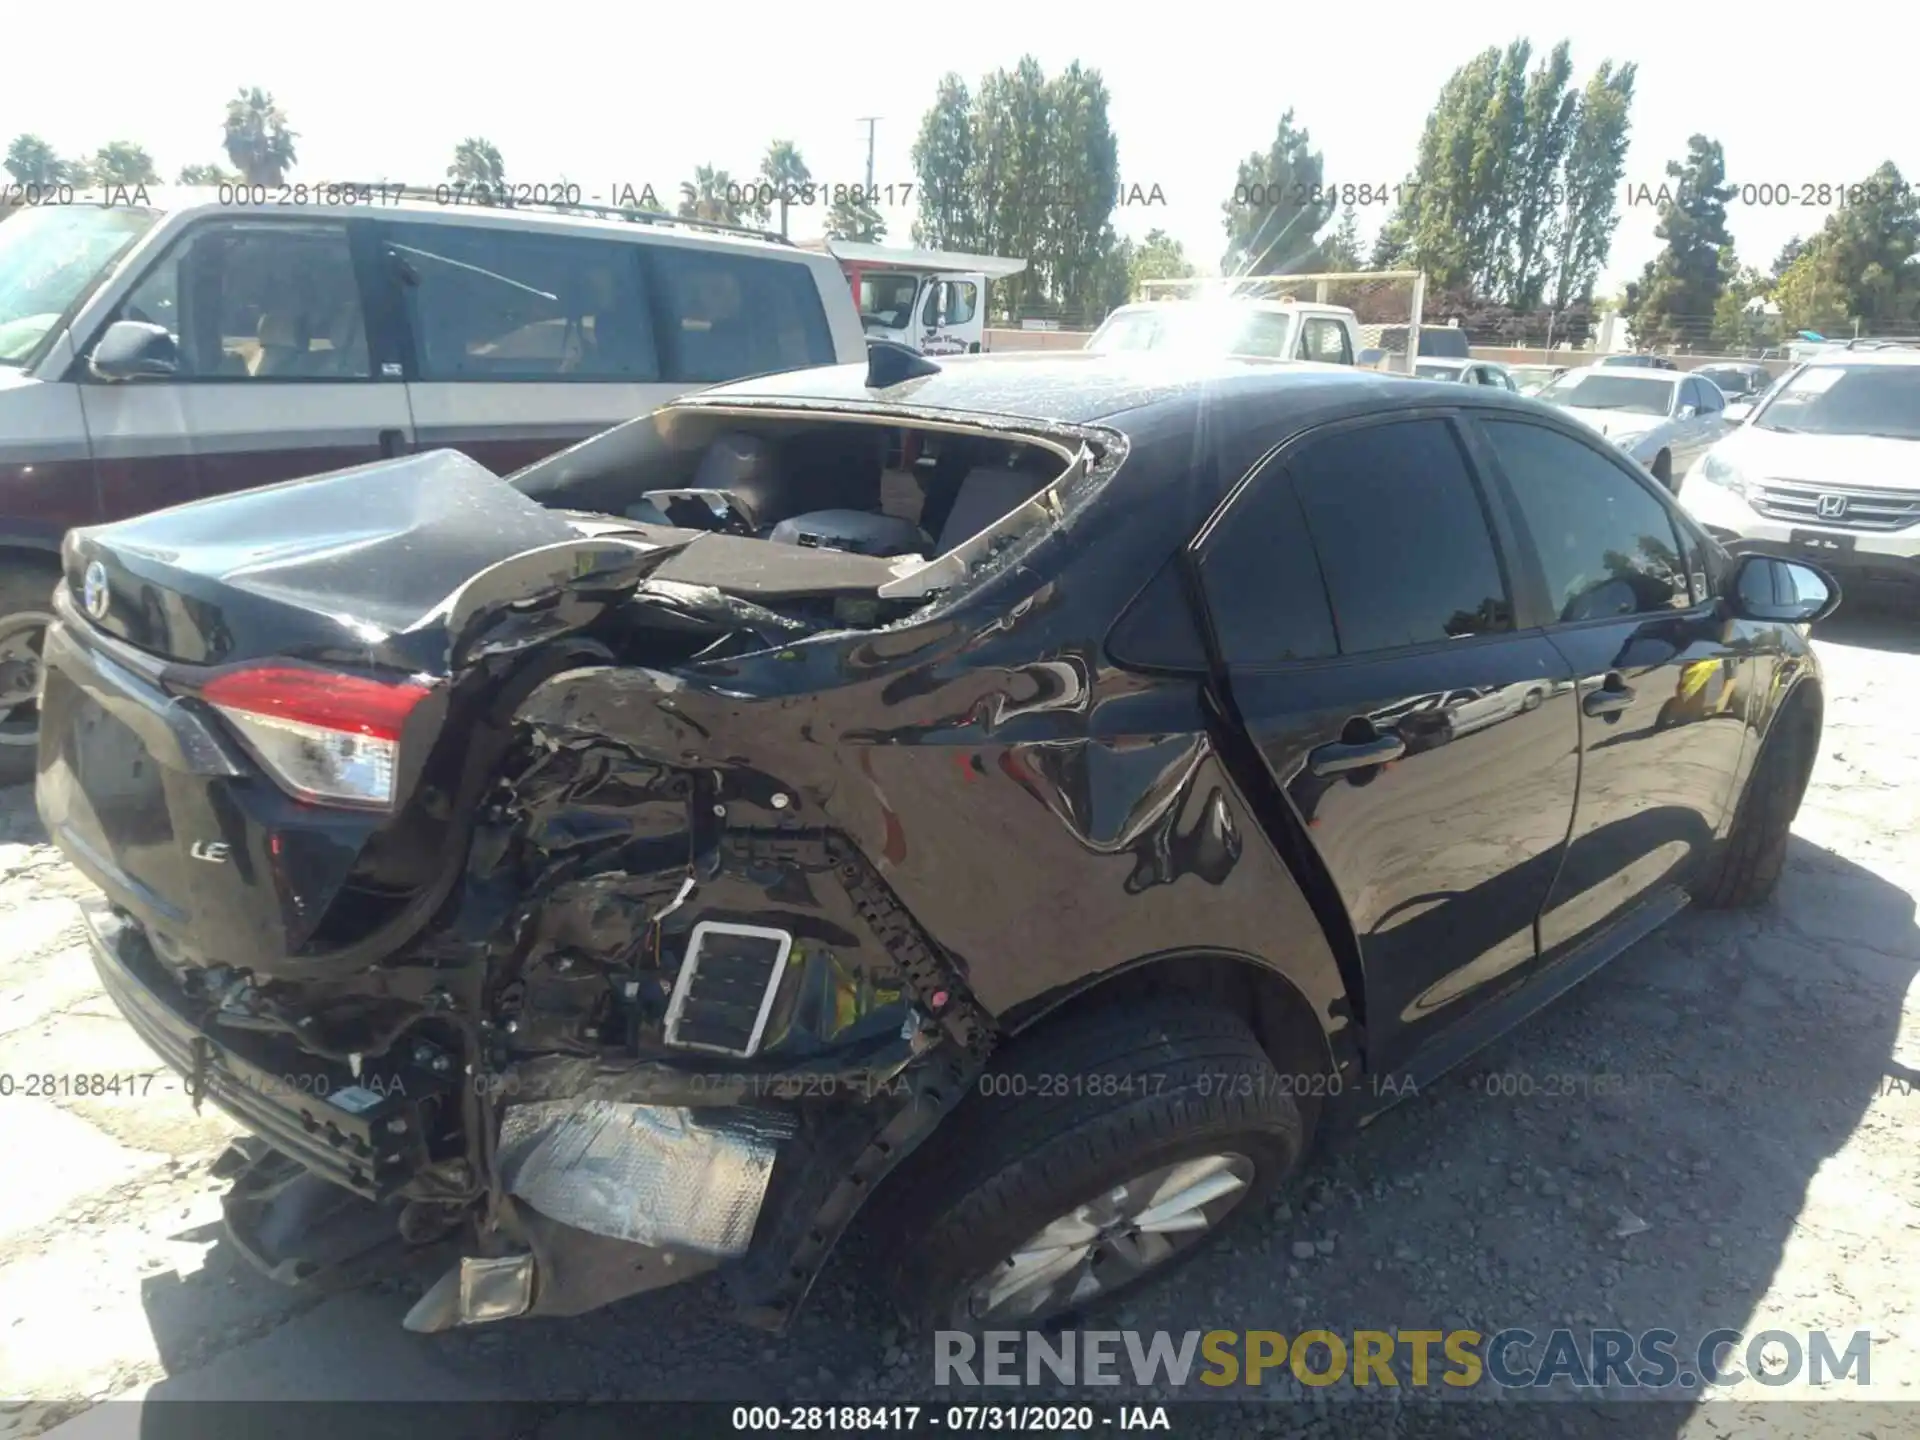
(1339, 758)
(1611, 699)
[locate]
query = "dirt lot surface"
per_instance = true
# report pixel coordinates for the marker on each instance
(1721, 1129)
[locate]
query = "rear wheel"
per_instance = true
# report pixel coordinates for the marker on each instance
(1095, 1155)
(26, 609)
(1749, 867)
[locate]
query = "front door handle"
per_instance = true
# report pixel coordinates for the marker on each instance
(1338, 758)
(1610, 699)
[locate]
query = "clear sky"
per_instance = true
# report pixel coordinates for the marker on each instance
(608, 94)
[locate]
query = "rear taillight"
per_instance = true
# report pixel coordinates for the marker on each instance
(324, 735)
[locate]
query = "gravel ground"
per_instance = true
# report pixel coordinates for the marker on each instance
(1754, 1129)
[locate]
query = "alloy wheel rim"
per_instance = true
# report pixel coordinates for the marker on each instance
(21, 638)
(1113, 1239)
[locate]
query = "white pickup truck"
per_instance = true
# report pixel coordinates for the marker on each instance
(1262, 329)
(933, 301)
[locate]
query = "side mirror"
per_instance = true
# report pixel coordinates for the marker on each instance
(131, 349)
(1766, 587)
(1686, 412)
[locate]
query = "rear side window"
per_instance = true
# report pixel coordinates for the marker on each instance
(487, 304)
(1402, 537)
(725, 315)
(1606, 545)
(1262, 580)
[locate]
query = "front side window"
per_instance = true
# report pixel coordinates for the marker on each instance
(950, 302)
(495, 304)
(725, 315)
(1264, 336)
(1877, 400)
(1607, 547)
(51, 258)
(258, 301)
(1401, 536)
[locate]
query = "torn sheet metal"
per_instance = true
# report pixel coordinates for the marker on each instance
(657, 1175)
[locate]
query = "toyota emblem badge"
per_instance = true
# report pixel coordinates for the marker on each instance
(93, 592)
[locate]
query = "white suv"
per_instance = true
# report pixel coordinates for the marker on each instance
(1826, 468)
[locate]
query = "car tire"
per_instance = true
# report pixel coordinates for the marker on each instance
(1531, 701)
(1748, 870)
(1662, 468)
(26, 609)
(1060, 1122)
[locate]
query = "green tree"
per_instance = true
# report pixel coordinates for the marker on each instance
(1590, 184)
(206, 175)
(1789, 252)
(32, 161)
(1739, 320)
(711, 195)
(784, 172)
(1867, 250)
(1810, 297)
(1277, 209)
(259, 141)
(1673, 302)
(477, 162)
(949, 218)
(1342, 252)
(123, 163)
(852, 217)
(1513, 188)
(1158, 257)
(1028, 166)
(1549, 115)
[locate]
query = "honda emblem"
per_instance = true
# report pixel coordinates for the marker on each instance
(1830, 507)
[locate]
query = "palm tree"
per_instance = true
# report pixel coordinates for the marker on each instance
(710, 195)
(258, 140)
(786, 172)
(477, 162)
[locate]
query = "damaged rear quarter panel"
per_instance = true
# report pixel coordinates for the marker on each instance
(1047, 818)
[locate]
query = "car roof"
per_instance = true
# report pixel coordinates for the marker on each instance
(1866, 357)
(1630, 372)
(1080, 387)
(414, 205)
(1250, 302)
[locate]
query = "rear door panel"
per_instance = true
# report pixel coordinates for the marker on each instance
(1377, 605)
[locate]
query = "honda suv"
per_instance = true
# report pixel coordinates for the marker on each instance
(1039, 793)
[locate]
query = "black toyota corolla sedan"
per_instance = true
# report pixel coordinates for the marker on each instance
(1037, 792)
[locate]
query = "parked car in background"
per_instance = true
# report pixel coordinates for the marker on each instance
(1828, 467)
(157, 353)
(613, 903)
(1248, 328)
(1532, 379)
(1739, 383)
(1466, 372)
(1638, 362)
(1663, 420)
